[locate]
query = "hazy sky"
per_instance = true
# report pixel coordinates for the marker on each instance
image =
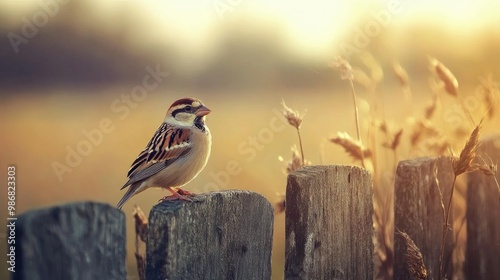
(310, 26)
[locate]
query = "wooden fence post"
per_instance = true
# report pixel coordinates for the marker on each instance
(220, 235)
(328, 223)
(482, 259)
(84, 240)
(418, 211)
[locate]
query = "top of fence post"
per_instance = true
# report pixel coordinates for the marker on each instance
(421, 186)
(84, 240)
(482, 256)
(329, 226)
(220, 235)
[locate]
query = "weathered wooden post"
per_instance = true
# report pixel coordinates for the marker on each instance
(329, 228)
(421, 186)
(482, 258)
(83, 240)
(220, 235)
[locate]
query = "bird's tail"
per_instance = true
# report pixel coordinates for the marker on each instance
(130, 192)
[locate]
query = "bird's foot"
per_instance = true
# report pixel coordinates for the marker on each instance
(184, 192)
(177, 194)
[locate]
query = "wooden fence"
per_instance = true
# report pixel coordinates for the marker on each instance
(228, 234)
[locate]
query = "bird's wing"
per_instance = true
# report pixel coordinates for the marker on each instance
(167, 144)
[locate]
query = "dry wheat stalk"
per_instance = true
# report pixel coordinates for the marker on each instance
(384, 250)
(296, 162)
(414, 258)
(401, 74)
(395, 140)
(293, 117)
(295, 120)
(463, 163)
(344, 68)
(431, 108)
(354, 148)
(346, 74)
(450, 83)
(489, 90)
(382, 126)
(489, 169)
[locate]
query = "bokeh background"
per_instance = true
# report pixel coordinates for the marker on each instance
(65, 66)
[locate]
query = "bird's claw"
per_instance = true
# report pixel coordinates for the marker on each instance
(177, 194)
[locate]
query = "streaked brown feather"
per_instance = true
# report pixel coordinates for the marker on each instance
(167, 143)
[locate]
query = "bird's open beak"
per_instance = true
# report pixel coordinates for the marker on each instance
(202, 111)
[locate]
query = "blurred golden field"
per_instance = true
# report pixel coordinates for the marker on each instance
(84, 64)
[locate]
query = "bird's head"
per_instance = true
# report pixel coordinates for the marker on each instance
(187, 112)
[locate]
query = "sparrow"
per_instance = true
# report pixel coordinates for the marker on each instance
(177, 153)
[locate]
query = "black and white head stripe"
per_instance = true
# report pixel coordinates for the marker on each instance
(186, 105)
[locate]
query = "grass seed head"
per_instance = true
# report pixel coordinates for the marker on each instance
(353, 147)
(401, 74)
(293, 117)
(444, 74)
(431, 108)
(464, 162)
(296, 161)
(414, 258)
(487, 168)
(344, 67)
(395, 141)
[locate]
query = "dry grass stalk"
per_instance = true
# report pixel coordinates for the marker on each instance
(141, 232)
(295, 120)
(383, 127)
(414, 259)
(296, 162)
(404, 80)
(489, 90)
(293, 117)
(395, 141)
(421, 129)
(354, 148)
(489, 169)
(431, 108)
(346, 74)
(384, 250)
(401, 74)
(444, 74)
(463, 163)
(344, 67)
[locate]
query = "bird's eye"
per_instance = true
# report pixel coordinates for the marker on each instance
(187, 108)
